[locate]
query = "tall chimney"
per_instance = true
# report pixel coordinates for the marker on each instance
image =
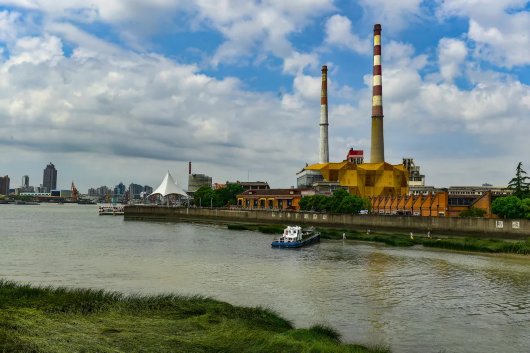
(324, 147)
(377, 152)
(189, 168)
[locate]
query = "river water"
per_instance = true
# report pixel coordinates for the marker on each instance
(413, 300)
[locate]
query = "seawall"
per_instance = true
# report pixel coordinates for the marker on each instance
(497, 228)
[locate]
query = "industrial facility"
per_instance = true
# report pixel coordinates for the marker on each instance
(374, 179)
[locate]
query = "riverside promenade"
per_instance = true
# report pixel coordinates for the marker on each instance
(480, 227)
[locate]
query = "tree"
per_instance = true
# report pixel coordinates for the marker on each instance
(520, 184)
(508, 207)
(525, 204)
(351, 204)
(205, 196)
(340, 202)
(473, 212)
(227, 195)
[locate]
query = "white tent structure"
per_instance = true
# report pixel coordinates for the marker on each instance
(169, 187)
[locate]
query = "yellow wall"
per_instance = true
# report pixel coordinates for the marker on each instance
(367, 179)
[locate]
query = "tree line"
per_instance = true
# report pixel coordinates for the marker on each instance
(516, 205)
(340, 202)
(208, 197)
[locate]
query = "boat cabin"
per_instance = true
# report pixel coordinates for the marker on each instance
(293, 233)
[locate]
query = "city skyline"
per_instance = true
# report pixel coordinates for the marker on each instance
(107, 93)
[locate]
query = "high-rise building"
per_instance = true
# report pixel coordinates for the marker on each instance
(25, 181)
(49, 180)
(119, 189)
(4, 185)
(135, 190)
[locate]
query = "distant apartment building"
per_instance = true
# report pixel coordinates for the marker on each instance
(49, 179)
(197, 181)
(25, 181)
(148, 189)
(119, 189)
(135, 190)
(4, 185)
(103, 191)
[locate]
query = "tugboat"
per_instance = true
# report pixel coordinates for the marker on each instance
(296, 237)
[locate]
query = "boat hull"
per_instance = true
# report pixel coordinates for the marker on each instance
(296, 244)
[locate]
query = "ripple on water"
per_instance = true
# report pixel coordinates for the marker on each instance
(415, 300)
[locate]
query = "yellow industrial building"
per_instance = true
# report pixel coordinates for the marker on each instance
(366, 179)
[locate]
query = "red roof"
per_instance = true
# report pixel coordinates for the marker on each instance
(353, 152)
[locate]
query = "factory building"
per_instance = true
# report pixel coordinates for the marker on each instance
(439, 202)
(415, 176)
(374, 179)
(272, 199)
(307, 178)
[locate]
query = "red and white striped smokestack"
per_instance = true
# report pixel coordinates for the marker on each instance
(377, 152)
(324, 146)
(189, 168)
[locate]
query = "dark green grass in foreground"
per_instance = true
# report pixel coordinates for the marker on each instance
(453, 243)
(83, 320)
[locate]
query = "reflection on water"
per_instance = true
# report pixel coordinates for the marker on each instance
(415, 300)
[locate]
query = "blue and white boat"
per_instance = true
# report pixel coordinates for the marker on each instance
(296, 237)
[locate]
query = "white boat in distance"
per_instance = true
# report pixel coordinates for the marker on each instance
(112, 210)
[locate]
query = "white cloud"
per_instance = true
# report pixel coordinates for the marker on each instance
(451, 55)
(144, 107)
(9, 22)
(105, 104)
(297, 62)
(499, 29)
(258, 26)
(35, 50)
(394, 15)
(339, 33)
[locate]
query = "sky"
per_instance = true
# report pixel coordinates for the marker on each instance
(124, 90)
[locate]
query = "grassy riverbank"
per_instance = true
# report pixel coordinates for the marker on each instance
(399, 239)
(452, 243)
(82, 320)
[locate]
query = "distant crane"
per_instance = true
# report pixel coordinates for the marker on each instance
(75, 193)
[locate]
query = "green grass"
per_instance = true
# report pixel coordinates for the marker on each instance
(481, 245)
(238, 227)
(35, 319)
(403, 240)
(453, 243)
(263, 228)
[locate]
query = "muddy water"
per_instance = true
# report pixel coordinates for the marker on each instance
(413, 300)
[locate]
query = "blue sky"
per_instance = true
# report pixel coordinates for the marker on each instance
(114, 91)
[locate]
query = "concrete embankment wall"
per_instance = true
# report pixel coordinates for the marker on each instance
(515, 229)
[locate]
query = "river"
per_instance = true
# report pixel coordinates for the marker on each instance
(413, 300)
